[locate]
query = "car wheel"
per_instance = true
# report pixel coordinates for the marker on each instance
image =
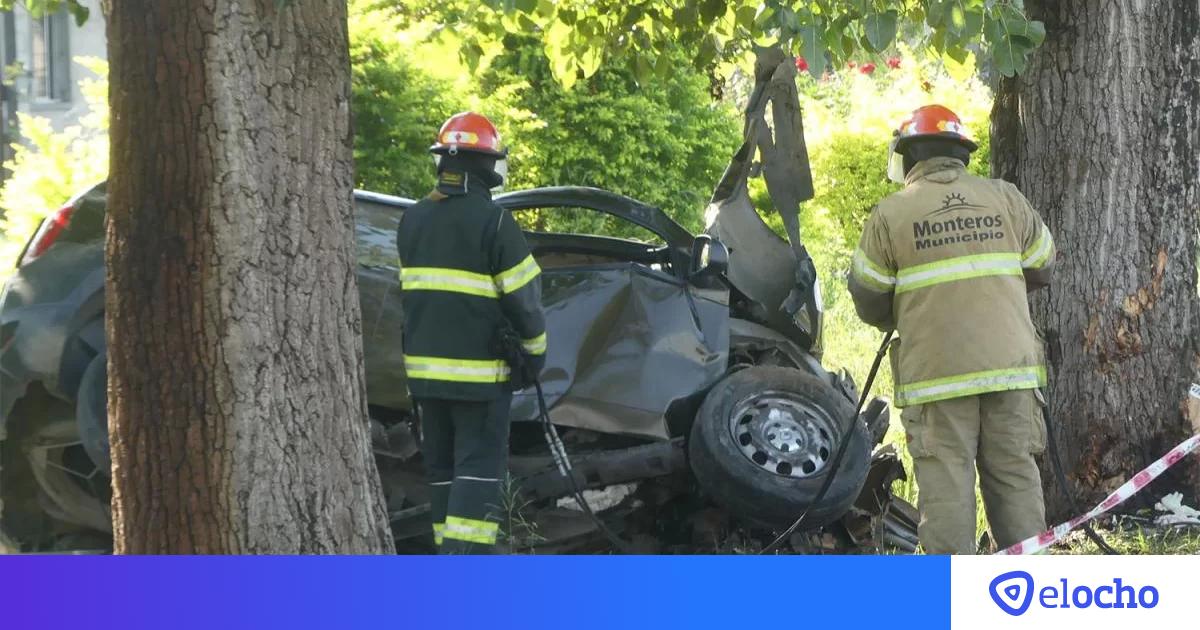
(763, 443)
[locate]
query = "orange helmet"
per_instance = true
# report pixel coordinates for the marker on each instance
(933, 121)
(930, 121)
(468, 131)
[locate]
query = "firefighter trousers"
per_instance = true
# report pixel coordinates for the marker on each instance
(465, 447)
(998, 433)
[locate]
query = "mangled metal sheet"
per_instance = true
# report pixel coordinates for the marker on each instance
(879, 518)
(777, 275)
(625, 344)
(625, 340)
(379, 298)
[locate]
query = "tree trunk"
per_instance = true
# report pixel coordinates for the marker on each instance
(236, 393)
(1101, 133)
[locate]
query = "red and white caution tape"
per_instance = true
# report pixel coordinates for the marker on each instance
(1119, 496)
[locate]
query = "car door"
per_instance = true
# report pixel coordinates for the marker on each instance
(628, 334)
(376, 219)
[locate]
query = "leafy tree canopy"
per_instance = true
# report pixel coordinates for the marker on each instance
(39, 7)
(664, 143)
(578, 35)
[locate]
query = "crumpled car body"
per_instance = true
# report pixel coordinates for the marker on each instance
(634, 343)
(640, 331)
(625, 342)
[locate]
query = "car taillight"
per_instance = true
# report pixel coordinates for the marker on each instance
(48, 232)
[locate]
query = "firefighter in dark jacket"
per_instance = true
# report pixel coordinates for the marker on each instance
(466, 274)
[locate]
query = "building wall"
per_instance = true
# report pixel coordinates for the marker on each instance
(81, 41)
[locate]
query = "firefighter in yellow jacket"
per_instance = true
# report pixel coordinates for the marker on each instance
(947, 262)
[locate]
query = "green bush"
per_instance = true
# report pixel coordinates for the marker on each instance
(665, 143)
(397, 107)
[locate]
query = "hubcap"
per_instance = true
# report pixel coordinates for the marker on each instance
(783, 433)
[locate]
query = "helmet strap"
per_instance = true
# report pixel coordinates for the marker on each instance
(895, 164)
(483, 168)
(453, 182)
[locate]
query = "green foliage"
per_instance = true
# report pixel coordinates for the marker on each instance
(664, 144)
(51, 166)
(578, 35)
(397, 107)
(40, 7)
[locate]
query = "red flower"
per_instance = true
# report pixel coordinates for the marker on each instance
(893, 62)
(867, 68)
(851, 64)
(801, 64)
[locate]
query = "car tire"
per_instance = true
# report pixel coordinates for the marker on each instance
(758, 432)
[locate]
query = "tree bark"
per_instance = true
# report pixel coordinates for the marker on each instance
(1102, 133)
(236, 391)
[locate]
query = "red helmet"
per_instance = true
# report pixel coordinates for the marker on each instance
(468, 131)
(933, 121)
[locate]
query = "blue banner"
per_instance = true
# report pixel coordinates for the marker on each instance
(527, 592)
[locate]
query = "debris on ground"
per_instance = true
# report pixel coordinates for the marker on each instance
(1176, 513)
(879, 518)
(600, 499)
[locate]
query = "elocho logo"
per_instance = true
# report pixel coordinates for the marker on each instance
(1014, 593)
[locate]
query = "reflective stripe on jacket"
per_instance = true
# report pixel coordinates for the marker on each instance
(465, 268)
(947, 262)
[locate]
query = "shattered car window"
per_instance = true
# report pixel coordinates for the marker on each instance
(583, 221)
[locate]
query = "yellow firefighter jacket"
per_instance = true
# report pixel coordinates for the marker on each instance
(947, 262)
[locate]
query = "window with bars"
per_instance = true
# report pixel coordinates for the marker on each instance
(50, 56)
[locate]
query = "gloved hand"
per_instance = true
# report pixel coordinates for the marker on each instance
(524, 368)
(534, 363)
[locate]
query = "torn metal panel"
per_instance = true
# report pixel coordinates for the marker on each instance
(377, 219)
(777, 275)
(625, 345)
(878, 517)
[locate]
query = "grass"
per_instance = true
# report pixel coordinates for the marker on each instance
(1134, 539)
(517, 530)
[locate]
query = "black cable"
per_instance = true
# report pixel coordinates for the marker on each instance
(559, 452)
(1061, 476)
(842, 447)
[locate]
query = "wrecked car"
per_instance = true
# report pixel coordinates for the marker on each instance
(652, 344)
(683, 373)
